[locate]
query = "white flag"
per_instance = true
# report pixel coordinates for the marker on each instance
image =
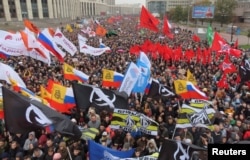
(61, 40)
(130, 78)
(6, 72)
(84, 48)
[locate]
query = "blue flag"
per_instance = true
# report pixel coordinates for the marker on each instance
(144, 65)
(99, 152)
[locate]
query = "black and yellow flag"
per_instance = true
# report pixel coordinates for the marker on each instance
(133, 121)
(198, 116)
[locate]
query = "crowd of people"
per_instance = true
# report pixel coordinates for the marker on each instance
(232, 122)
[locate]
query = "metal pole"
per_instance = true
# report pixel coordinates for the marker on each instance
(188, 16)
(232, 33)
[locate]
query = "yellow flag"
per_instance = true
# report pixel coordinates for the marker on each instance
(191, 78)
(69, 28)
(67, 69)
(108, 75)
(58, 93)
(44, 93)
(180, 86)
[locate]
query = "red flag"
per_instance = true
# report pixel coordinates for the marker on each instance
(223, 82)
(147, 20)
(227, 67)
(236, 44)
(219, 44)
(196, 38)
(135, 49)
(166, 29)
(235, 52)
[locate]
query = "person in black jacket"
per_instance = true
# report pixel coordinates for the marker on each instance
(77, 153)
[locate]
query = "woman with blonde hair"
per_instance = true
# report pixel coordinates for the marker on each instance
(62, 149)
(152, 147)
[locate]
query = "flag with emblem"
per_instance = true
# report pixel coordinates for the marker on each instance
(188, 90)
(62, 98)
(31, 115)
(219, 44)
(103, 99)
(158, 90)
(198, 116)
(133, 121)
(178, 150)
(191, 78)
(111, 78)
(70, 73)
(147, 20)
(100, 152)
(227, 66)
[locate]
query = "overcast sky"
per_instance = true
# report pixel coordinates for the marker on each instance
(130, 1)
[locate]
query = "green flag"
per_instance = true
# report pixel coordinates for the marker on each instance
(111, 33)
(210, 35)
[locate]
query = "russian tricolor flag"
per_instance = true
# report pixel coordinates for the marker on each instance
(70, 73)
(46, 39)
(193, 92)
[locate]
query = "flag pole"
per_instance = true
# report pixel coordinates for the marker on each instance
(173, 133)
(70, 156)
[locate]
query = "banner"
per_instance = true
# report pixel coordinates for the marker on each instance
(99, 152)
(203, 12)
(133, 121)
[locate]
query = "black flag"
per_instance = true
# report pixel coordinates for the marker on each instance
(88, 95)
(176, 150)
(23, 115)
(158, 90)
(244, 71)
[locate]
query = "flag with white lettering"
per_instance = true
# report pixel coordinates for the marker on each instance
(64, 42)
(130, 78)
(23, 115)
(143, 63)
(88, 95)
(178, 150)
(133, 121)
(99, 152)
(198, 116)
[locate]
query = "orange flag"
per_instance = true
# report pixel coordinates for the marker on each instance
(31, 26)
(147, 20)
(100, 31)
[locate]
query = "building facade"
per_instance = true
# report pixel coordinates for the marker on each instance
(17, 10)
(242, 11)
